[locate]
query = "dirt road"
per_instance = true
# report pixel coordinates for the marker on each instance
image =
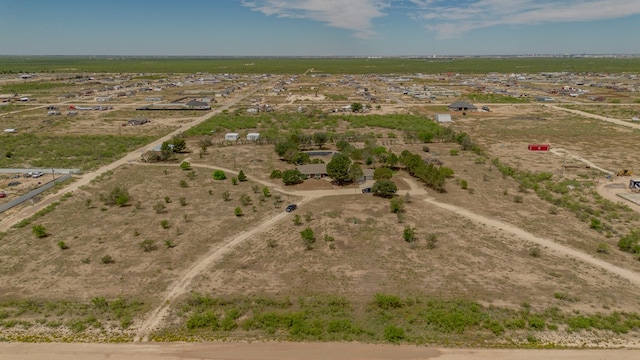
(287, 351)
(598, 117)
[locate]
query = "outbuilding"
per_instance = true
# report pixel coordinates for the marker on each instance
(232, 136)
(253, 136)
(443, 118)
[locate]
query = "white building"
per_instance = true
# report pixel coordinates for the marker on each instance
(253, 136)
(232, 136)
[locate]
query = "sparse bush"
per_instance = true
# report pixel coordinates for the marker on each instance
(276, 174)
(119, 196)
(296, 220)
(308, 237)
(454, 152)
(245, 199)
(308, 216)
(107, 259)
(595, 224)
(167, 199)
(185, 165)
(630, 242)
(86, 260)
(409, 234)
(183, 201)
(226, 196)
(603, 248)
(234, 180)
(241, 176)
(238, 212)
(464, 184)
(393, 334)
(183, 183)
(62, 245)
(39, 231)
(328, 238)
(165, 224)
(148, 245)
(159, 207)
(396, 205)
(255, 189)
(432, 241)
(534, 251)
(169, 244)
(265, 192)
(517, 199)
(191, 175)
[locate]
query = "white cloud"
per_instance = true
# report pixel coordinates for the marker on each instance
(353, 15)
(451, 18)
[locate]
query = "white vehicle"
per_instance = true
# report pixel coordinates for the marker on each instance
(37, 174)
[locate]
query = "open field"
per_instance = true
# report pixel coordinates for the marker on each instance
(517, 249)
(61, 64)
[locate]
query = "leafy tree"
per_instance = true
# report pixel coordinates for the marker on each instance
(392, 160)
(219, 175)
(341, 145)
(384, 188)
(39, 231)
(320, 138)
(338, 168)
(286, 149)
(292, 177)
(166, 150)
(179, 144)
(382, 173)
(300, 158)
(241, 176)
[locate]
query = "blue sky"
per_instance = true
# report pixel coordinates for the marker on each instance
(318, 27)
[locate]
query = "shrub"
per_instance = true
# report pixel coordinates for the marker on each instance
(595, 224)
(167, 199)
(245, 199)
(432, 240)
(393, 334)
(276, 174)
(396, 205)
(630, 242)
(387, 302)
(185, 165)
(238, 212)
(242, 176)
(169, 244)
(39, 231)
(119, 196)
(148, 245)
(265, 192)
(107, 259)
(219, 175)
(165, 224)
(234, 180)
(203, 320)
(409, 234)
(534, 251)
(464, 184)
(183, 201)
(308, 237)
(62, 245)
(226, 196)
(603, 248)
(255, 189)
(454, 152)
(159, 207)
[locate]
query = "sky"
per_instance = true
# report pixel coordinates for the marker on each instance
(318, 27)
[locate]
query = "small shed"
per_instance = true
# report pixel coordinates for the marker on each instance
(539, 147)
(232, 136)
(443, 118)
(253, 136)
(634, 184)
(10, 131)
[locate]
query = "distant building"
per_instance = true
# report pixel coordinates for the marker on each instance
(443, 118)
(253, 136)
(462, 106)
(232, 136)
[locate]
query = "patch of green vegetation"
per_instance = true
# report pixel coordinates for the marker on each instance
(37, 215)
(496, 98)
(67, 151)
(30, 86)
(386, 318)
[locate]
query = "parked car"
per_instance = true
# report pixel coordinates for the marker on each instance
(37, 174)
(486, 108)
(3, 194)
(291, 207)
(366, 190)
(14, 183)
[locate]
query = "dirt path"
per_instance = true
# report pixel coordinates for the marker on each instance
(159, 314)
(562, 153)
(598, 117)
(287, 351)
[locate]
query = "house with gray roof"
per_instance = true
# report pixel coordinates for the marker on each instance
(462, 106)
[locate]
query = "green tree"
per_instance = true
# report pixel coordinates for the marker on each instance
(265, 192)
(384, 188)
(39, 231)
(238, 212)
(320, 138)
(179, 144)
(396, 205)
(338, 168)
(355, 172)
(286, 149)
(300, 158)
(241, 176)
(341, 145)
(308, 237)
(292, 177)
(185, 165)
(276, 174)
(392, 160)
(119, 196)
(382, 173)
